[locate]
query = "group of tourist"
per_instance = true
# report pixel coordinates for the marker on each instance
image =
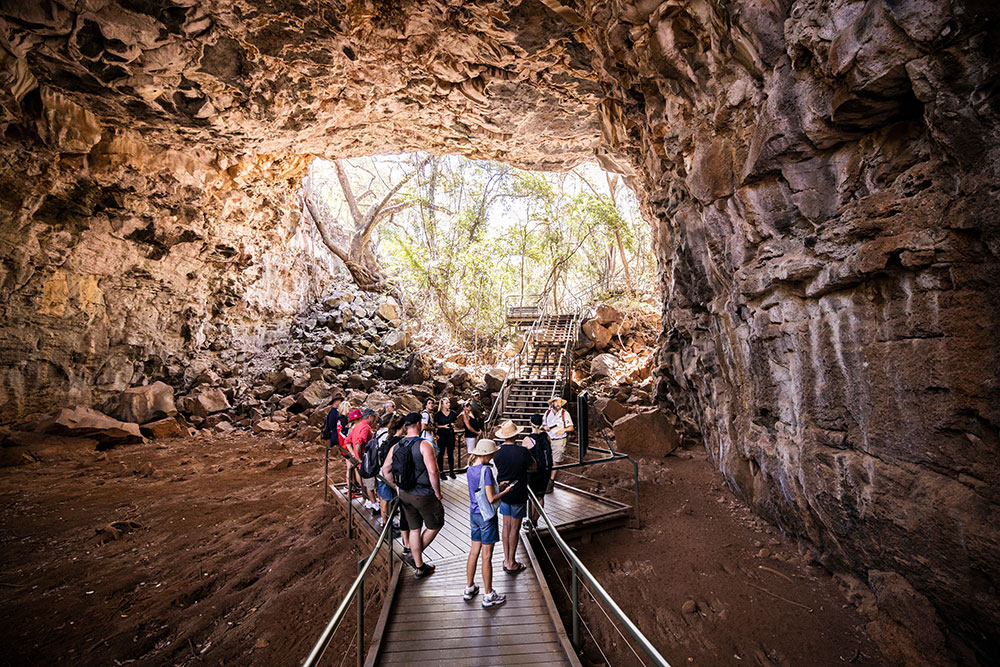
(409, 450)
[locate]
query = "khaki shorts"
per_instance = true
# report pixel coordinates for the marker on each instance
(422, 510)
(368, 483)
(558, 450)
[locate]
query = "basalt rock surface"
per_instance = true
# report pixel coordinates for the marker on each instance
(821, 178)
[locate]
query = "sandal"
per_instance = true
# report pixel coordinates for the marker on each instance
(514, 570)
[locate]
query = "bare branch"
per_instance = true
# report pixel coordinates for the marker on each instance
(372, 216)
(345, 185)
(324, 233)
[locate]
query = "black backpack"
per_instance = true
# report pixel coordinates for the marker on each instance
(542, 451)
(371, 462)
(404, 472)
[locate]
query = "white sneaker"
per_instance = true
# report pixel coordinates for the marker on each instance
(493, 599)
(470, 592)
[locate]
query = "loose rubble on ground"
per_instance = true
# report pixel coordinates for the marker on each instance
(360, 343)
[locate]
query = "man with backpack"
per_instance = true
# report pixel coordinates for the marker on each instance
(411, 466)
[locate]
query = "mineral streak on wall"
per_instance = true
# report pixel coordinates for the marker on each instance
(821, 178)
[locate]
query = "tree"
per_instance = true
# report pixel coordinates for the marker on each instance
(356, 250)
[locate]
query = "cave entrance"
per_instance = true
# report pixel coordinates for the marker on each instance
(457, 236)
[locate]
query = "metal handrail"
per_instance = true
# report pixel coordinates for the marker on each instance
(515, 365)
(578, 570)
(357, 588)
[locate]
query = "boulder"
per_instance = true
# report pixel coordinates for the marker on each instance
(336, 363)
(610, 409)
(147, 403)
(263, 392)
(418, 369)
(647, 433)
(207, 377)
(396, 341)
(597, 333)
(81, 422)
(265, 426)
(162, 428)
(605, 314)
(603, 365)
(313, 395)
(375, 401)
(393, 370)
(207, 402)
(409, 403)
(449, 367)
(514, 347)
(494, 379)
(389, 311)
(310, 433)
(349, 352)
(459, 377)
(281, 379)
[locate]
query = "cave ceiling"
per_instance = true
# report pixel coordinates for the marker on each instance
(506, 80)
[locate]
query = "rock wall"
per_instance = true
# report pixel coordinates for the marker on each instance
(128, 262)
(821, 177)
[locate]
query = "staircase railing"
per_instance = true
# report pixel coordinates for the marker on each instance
(515, 369)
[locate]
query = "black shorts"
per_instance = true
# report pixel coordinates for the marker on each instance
(538, 481)
(422, 510)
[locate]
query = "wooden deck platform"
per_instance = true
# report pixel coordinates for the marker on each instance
(426, 622)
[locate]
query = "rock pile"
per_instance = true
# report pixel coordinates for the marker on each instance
(350, 340)
(614, 362)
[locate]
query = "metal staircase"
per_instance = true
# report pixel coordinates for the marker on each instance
(542, 369)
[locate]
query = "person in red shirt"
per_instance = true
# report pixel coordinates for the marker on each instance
(361, 432)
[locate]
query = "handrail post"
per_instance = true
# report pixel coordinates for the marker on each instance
(576, 609)
(635, 482)
(350, 507)
(326, 473)
(361, 617)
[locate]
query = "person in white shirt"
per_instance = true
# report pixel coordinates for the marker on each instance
(427, 427)
(557, 423)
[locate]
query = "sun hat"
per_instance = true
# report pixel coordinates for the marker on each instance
(337, 395)
(368, 412)
(354, 414)
(484, 447)
(412, 418)
(508, 430)
(557, 402)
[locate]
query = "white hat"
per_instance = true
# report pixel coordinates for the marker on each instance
(508, 430)
(484, 447)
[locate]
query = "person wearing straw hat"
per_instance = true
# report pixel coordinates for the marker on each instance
(483, 497)
(557, 423)
(513, 463)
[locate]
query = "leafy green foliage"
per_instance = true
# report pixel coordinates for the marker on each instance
(481, 230)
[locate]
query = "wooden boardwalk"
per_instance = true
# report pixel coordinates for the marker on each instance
(426, 622)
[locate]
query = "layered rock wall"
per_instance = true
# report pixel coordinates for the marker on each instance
(125, 263)
(821, 177)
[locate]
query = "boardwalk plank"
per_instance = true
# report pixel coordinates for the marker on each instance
(430, 624)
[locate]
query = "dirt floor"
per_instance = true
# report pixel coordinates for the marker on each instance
(708, 582)
(197, 551)
(208, 551)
